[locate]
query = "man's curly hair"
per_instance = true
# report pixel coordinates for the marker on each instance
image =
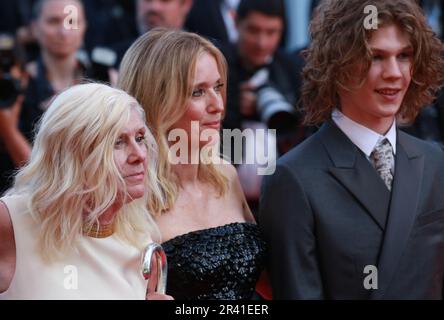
(340, 42)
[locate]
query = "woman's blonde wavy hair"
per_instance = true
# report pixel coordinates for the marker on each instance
(158, 70)
(71, 174)
(340, 42)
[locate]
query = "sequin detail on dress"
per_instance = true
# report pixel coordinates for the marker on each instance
(217, 263)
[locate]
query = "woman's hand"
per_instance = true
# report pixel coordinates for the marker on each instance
(152, 283)
(158, 296)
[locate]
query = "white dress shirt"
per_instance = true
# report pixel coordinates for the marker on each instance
(228, 9)
(362, 137)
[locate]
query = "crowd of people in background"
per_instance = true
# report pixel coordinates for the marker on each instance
(257, 37)
(261, 39)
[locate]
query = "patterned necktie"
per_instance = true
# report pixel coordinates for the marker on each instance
(383, 160)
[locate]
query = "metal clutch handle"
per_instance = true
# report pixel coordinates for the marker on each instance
(162, 267)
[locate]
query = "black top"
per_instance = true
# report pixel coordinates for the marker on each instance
(37, 96)
(217, 263)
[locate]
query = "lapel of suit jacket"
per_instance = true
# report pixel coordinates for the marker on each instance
(353, 170)
(409, 167)
(218, 19)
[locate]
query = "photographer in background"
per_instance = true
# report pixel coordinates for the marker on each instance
(11, 98)
(57, 68)
(261, 77)
(263, 83)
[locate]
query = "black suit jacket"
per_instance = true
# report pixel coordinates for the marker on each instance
(205, 18)
(327, 214)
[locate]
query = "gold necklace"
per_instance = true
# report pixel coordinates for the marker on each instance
(99, 231)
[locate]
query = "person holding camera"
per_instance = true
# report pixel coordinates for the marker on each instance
(259, 69)
(263, 84)
(60, 37)
(12, 79)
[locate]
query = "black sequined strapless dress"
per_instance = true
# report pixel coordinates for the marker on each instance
(217, 263)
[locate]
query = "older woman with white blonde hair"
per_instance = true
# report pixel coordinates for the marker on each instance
(75, 222)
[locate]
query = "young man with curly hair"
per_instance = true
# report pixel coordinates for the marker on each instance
(356, 211)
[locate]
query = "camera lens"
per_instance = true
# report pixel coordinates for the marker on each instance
(273, 108)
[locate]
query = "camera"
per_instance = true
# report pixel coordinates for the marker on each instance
(274, 109)
(10, 87)
(272, 106)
